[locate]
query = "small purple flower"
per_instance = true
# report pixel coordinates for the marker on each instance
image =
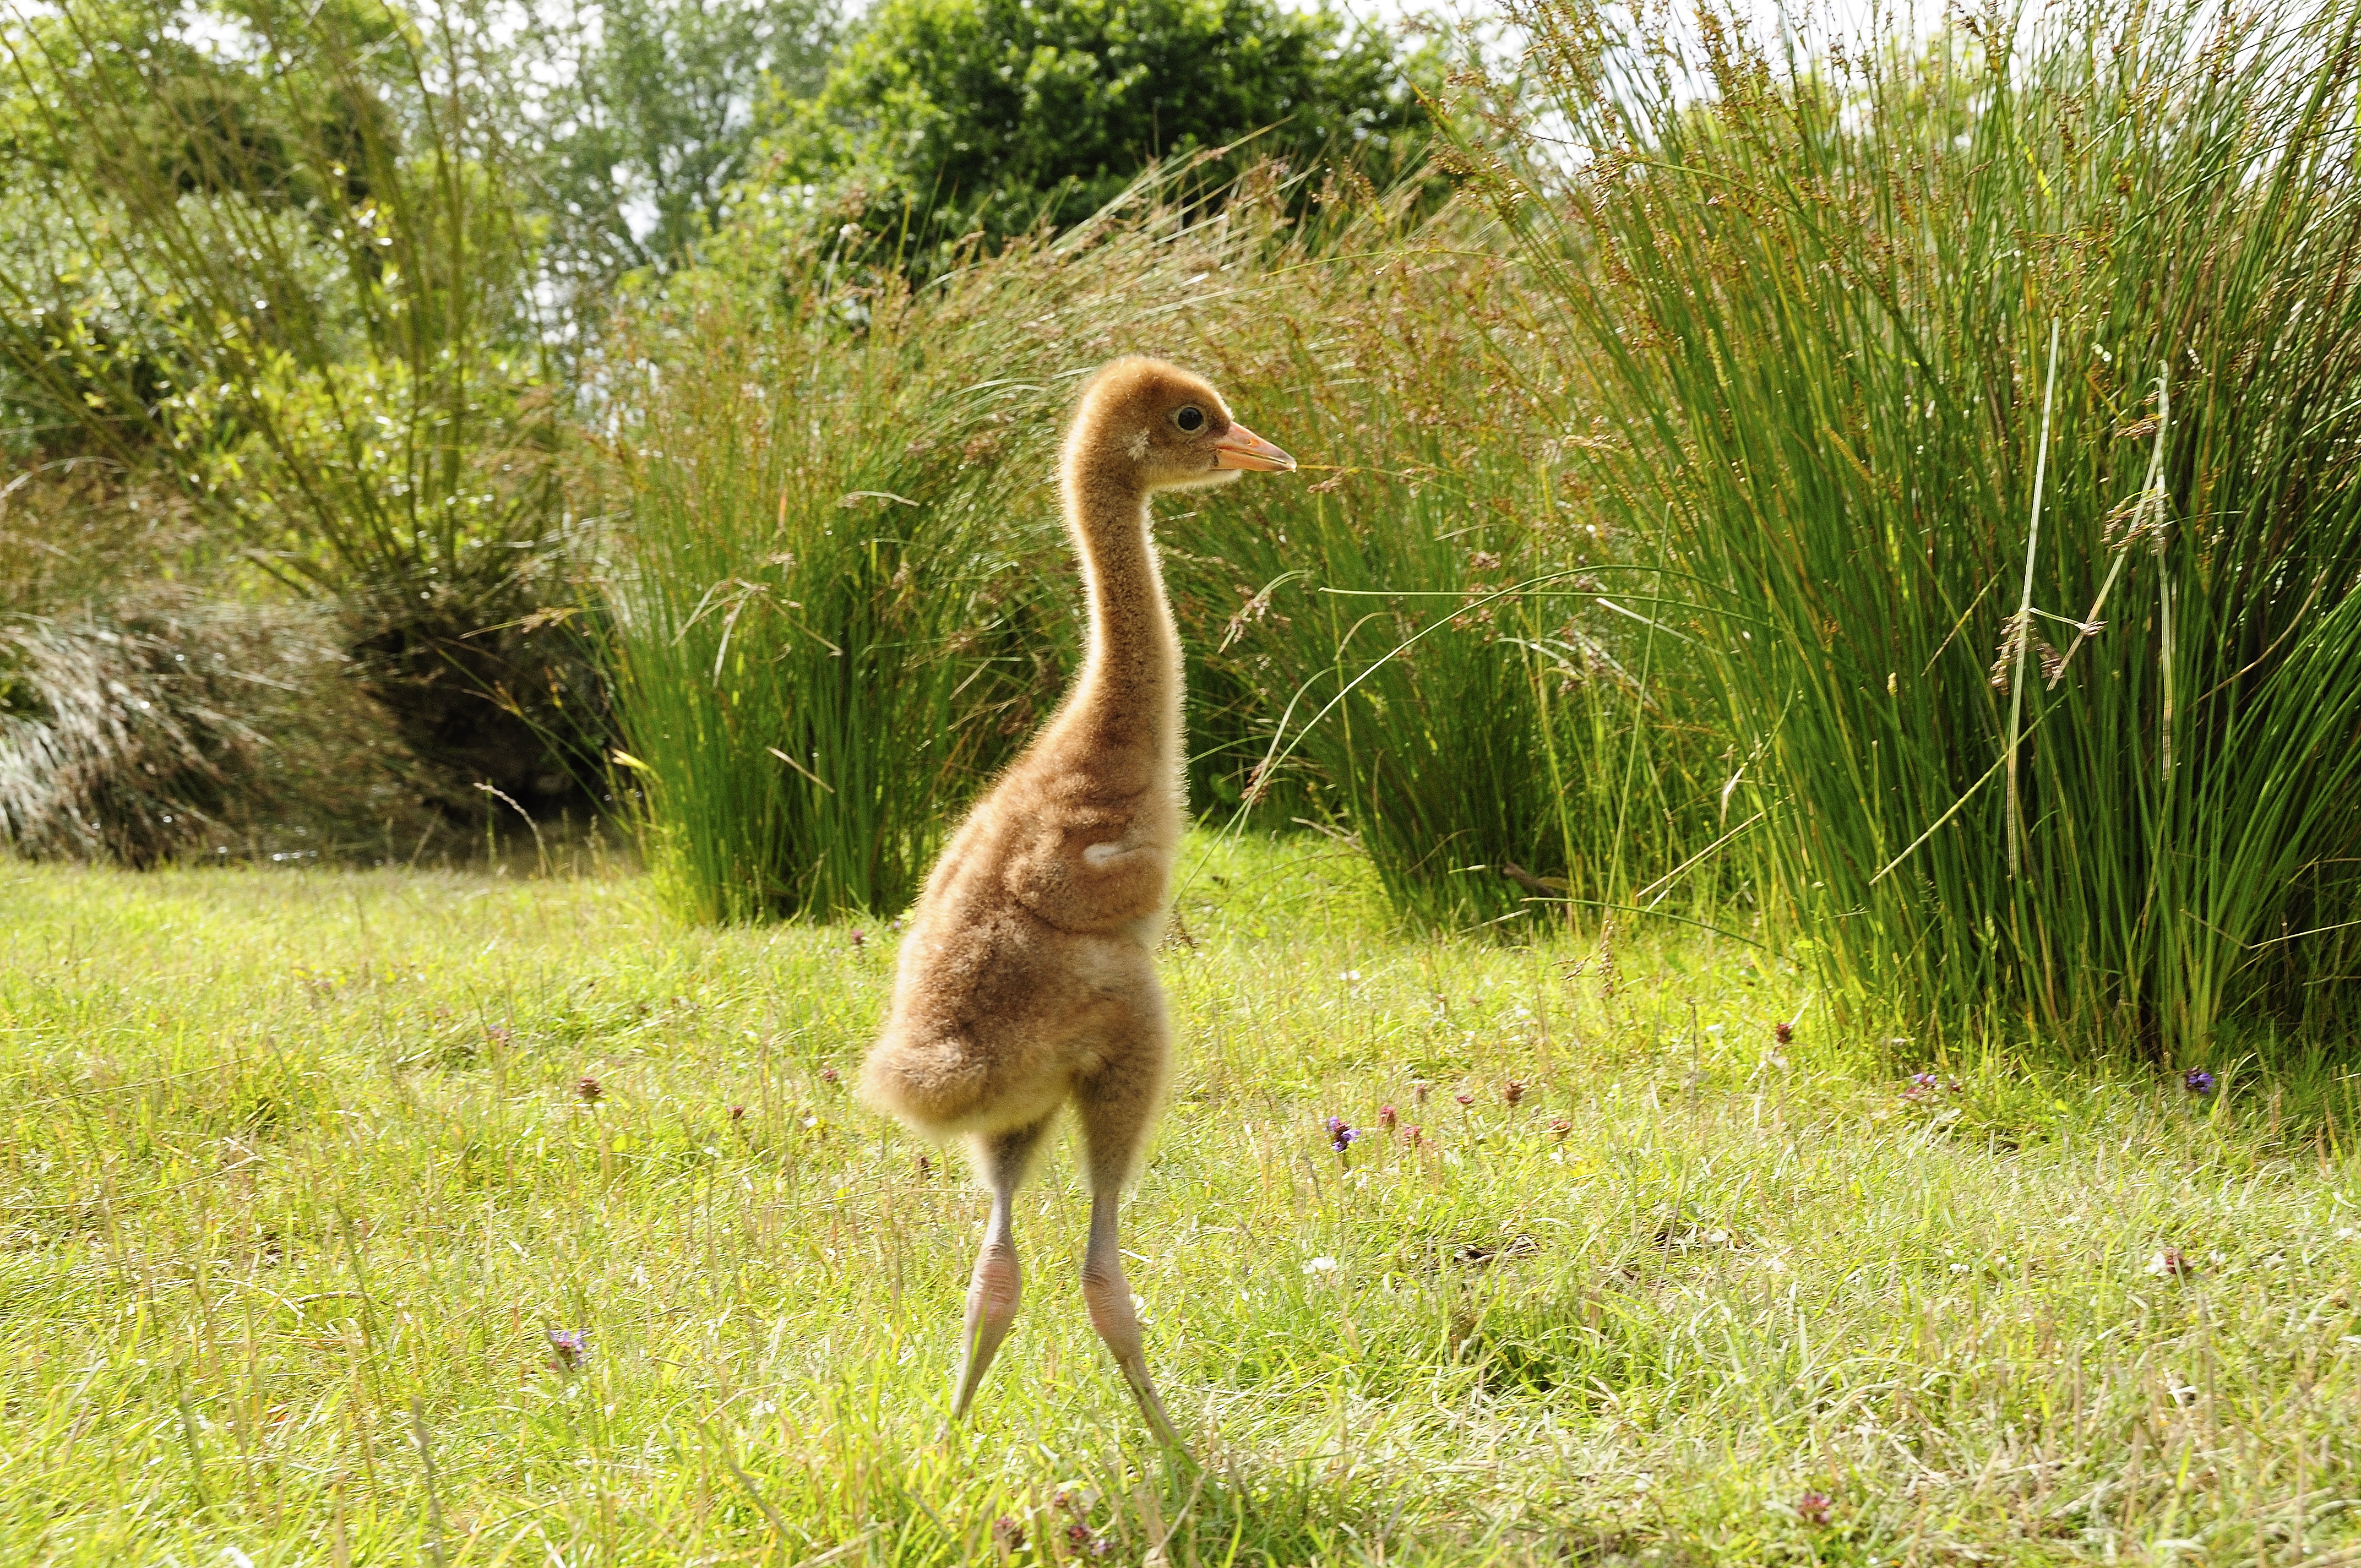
(1921, 1085)
(2197, 1080)
(860, 939)
(1340, 1135)
(1387, 1117)
(572, 1346)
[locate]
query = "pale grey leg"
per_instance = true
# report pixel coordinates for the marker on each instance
(997, 1284)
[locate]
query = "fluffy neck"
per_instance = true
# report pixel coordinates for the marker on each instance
(1130, 680)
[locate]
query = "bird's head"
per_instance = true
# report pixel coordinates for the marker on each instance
(1156, 426)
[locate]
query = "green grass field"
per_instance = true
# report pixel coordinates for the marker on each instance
(301, 1170)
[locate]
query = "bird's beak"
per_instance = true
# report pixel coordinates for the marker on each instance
(1239, 447)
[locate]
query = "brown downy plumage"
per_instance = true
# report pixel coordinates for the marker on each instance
(1028, 975)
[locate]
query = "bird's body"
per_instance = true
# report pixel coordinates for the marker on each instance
(1028, 978)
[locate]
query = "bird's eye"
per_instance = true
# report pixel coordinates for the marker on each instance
(1190, 418)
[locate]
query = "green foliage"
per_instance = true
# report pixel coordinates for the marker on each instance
(2041, 675)
(649, 119)
(808, 598)
(842, 547)
(946, 119)
(284, 271)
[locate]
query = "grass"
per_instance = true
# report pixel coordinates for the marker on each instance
(1989, 393)
(298, 1171)
(839, 542)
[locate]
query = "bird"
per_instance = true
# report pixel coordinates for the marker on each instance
(1027, 975)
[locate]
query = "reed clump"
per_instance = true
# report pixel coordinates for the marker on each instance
(1989, 398)
(843, 594)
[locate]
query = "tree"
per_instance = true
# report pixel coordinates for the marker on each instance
(648, 118)
(944, 119)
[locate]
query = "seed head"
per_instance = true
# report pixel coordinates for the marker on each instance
(589, 1091)
(1783, 1032)
(827, 1075)
(1387, 1117)
(1008, 1534)
(1464, 1098)
(1512, 1091)
(860, 939)
(737, 1112)
(1420, 1091)
(1812, 1507)
(1560, 1127)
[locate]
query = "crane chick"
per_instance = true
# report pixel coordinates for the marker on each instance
(1028, 979)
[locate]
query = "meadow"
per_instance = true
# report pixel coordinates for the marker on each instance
(303, 1169)
(1767, 970)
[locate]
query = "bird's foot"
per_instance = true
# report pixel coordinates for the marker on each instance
(993, 1294)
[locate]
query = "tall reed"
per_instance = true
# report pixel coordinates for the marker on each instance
(1994, 400)
(779, 391)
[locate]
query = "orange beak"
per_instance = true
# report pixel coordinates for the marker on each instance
(1239, 447)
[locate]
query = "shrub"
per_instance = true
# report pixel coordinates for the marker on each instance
(945, 119)
(147, 716)
(269, 257)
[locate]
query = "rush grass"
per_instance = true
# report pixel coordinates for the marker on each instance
(1993, 399)
(300, 1170)
(840, 594)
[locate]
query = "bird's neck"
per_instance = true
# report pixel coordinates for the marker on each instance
(1130, 680)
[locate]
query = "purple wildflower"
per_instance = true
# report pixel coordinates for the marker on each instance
(1340, 1134)
(572, 1346)
(2197, 1080)
(1387, 1117)
(1812, 1507)
(860, 939)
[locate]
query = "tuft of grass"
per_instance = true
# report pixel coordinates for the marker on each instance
(301, 1174)
(843, 545)
(1991, 398)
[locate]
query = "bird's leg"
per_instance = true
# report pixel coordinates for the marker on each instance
(1108, 1295)
(997, 1284)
